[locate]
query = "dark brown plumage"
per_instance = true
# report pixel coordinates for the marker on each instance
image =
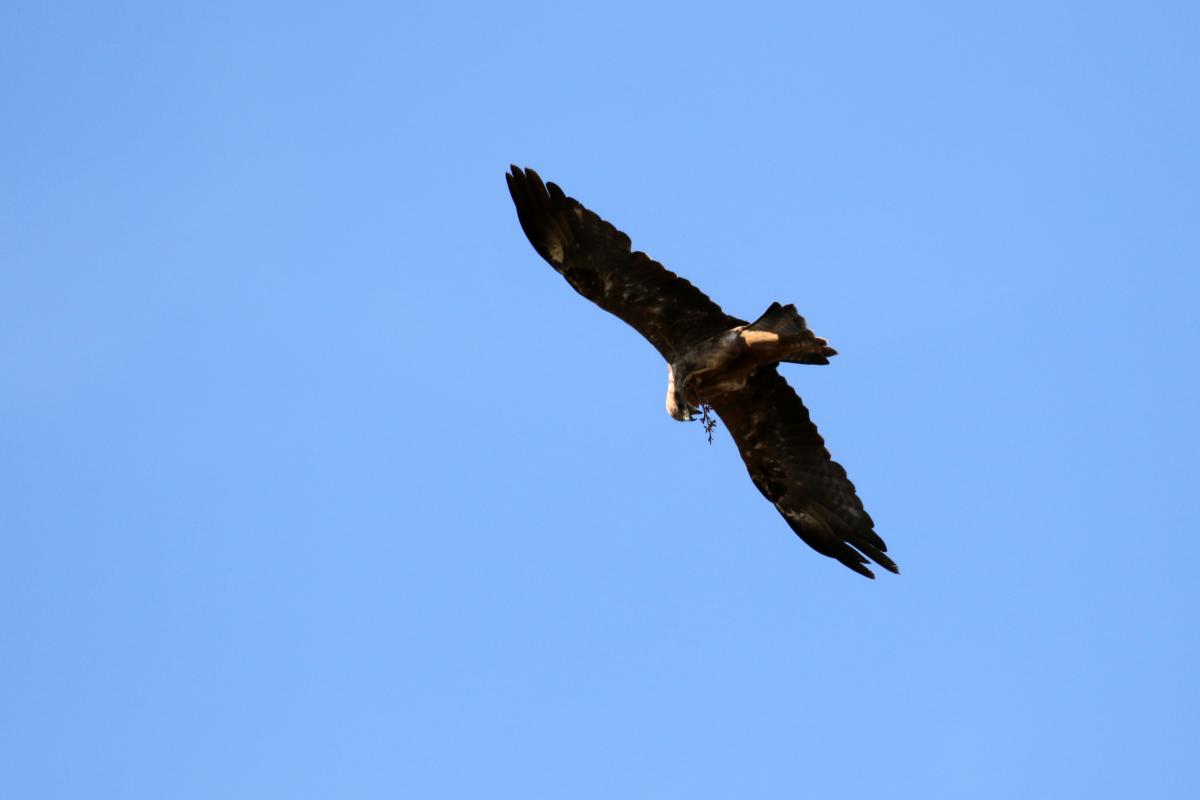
(713, 359)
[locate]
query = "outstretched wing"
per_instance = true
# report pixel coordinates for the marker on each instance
(789, 464)
(596, 260)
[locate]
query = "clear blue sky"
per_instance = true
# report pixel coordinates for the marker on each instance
(316, 482)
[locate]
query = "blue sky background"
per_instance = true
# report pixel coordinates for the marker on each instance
(316, 482)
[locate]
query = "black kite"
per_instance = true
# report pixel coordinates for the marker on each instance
(713, 360)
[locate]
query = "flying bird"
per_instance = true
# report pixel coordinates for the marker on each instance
(713, 361)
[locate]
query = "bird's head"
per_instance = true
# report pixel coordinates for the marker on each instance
(677, 404)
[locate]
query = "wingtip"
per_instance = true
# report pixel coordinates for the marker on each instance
(882, 560)
(858, 567)
(521, 173)
(877, 559)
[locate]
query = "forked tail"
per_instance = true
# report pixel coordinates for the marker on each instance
(798, 345)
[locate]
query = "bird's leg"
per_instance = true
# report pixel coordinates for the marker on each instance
(685, 393)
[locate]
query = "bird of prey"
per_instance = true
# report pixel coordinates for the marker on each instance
(713, 361)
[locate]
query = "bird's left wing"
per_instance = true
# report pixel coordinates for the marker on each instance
(788, 462)
(596, 259)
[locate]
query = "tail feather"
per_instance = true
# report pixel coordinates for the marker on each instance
(780, 319)
(803, 346)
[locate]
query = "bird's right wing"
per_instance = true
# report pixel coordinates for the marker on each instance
(596, 259)
(789, 464)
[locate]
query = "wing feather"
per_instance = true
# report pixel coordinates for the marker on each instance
(788, 462)
(597, 260)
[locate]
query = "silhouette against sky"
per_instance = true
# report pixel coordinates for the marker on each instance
(315, 481)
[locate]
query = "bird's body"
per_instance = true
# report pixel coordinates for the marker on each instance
(716, 360)
(724, 363)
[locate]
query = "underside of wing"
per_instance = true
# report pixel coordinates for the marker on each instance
(596, 259)
(788, 462)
